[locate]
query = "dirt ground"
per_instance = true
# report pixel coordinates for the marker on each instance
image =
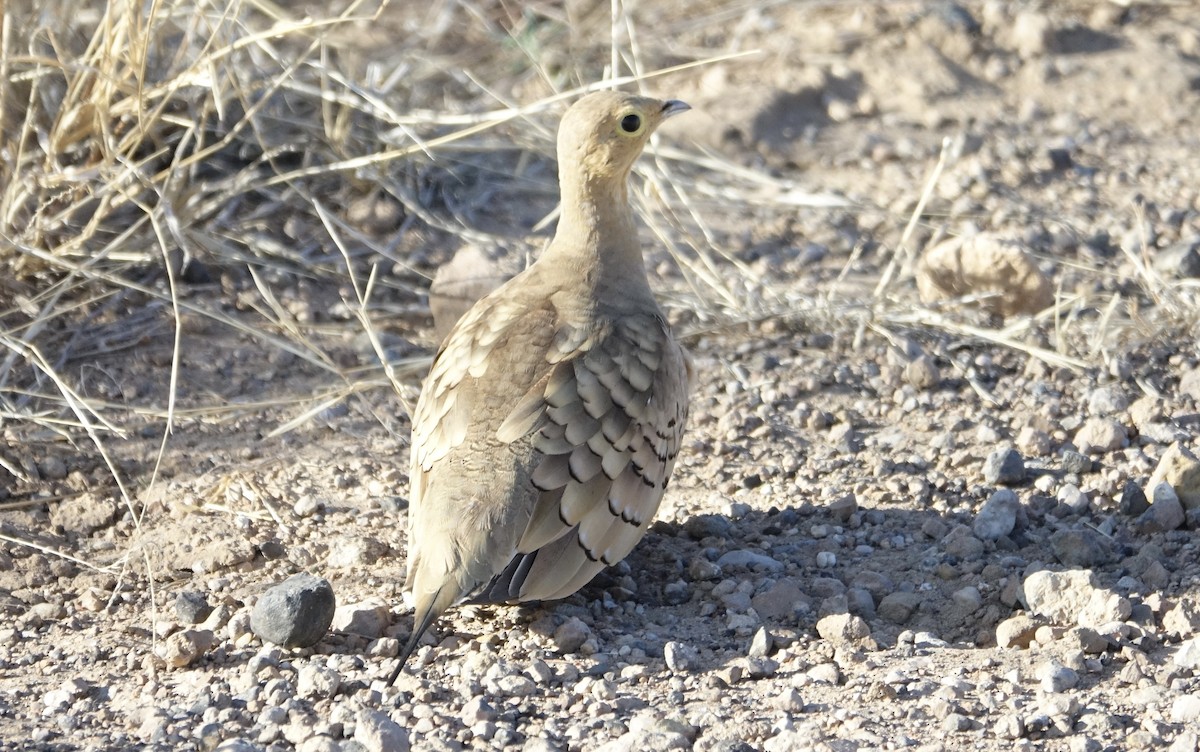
(825, 572)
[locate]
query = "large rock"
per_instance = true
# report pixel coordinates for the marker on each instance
(1072, 597)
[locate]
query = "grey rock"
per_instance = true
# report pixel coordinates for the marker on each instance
(1165, 512)
(1100, 436)
(1056, 677)
(1107, 401)
(1004, 466)
(747, 559)
(571, 635)
(1133, 500)
(1076, 462)
(1073, 498)
(922, 373)
(780, 600)
(295, 613)
(998, 516)
(898, 607)
(1080, 547)
(843, 508)
(681, 657)
(859, 601)
(702, 526)
(762, 644)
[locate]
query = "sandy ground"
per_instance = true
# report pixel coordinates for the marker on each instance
(831, 569)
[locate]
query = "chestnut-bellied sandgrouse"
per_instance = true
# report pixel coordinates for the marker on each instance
(549, 423)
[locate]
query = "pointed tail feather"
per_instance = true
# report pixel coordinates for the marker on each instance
(428, 609)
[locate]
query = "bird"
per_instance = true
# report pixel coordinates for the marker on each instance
(549, 423)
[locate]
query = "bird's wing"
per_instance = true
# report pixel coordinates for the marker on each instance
(606, 423)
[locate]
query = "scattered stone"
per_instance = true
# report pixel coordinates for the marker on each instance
(317, 681)
(1104, 607)
(295, 613)
(1101, 436)
(1183, 618)
(844, 508)
(571, 635)
(702, 526)
(994, 270)
(967, 598)
(790, 701)
(1164, 513)
(378, 733)
(825, 673)
(1107, 401)
(1080, 547)
(1073, 498)
(1034, 441)
(354, 551)
(1179, 468)
(922, 373)
(898, 607)
(845, 629)
(746, 559)
(998, 515)
(1009, 726)
(1004, 466)
(1076, 463)
(367, 618)
(681, 657)
(1032, 34)
(780, 600)
(182, 649)
(1055, 677)
(1017, 631)
(1089, 640)
(191, 607)
(762, 644)
(1133, 500)
(1059, 596)
(1188, 654)
(1186, 709)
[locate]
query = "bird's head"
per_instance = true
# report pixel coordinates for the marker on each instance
(603, 133)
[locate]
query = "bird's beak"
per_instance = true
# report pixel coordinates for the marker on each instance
(674, 107)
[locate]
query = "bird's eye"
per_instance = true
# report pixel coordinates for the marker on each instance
(631, 123)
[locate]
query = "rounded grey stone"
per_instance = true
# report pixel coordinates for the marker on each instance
(192, 607)
(296, 613)
(998, 516)
(1004, 466)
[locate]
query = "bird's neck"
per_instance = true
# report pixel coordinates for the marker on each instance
(596, 237)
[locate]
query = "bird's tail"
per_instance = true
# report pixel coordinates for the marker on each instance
(428, 607)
